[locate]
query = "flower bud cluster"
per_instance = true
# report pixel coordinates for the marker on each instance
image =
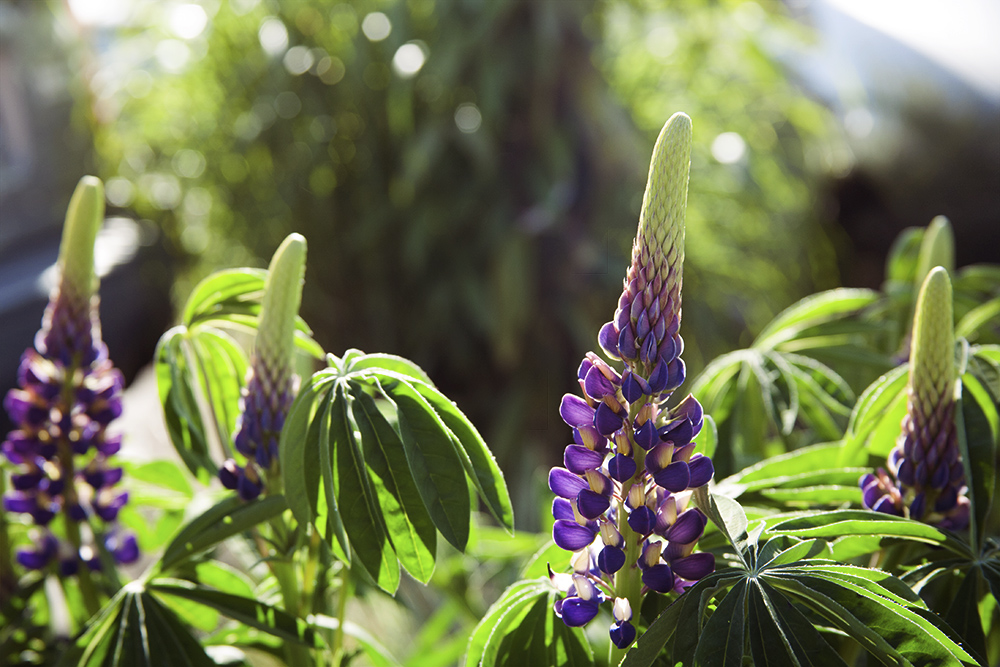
(926, 478)
(69, 392)
(631, 461)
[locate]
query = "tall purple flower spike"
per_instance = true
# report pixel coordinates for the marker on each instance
(68, 393)
(623, 508)
(925, 479)
(271, 385)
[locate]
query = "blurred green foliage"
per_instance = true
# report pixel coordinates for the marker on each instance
(473, 212)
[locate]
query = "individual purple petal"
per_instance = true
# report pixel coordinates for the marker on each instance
(571, 536)
(611, 559)
(871, 494)
(229, 474)
(592, 505)
(597, 385)
(658, 378)
(939, 478)
(585, 365)
(579, 459)
(33, 560)
(676, 374)
(68, 566)
(668, 348)
(633, 387)
(575, 411)
(642, 520)
(659, 457)
(247, 487)
(565, 484)
(679, 431)
(701, 470)
(607, 420)
(599, 482)
(608, 340)
(127, 550)
(562, 509)
(917, 506)
(659, 578)
(674, 478)
(886, 506)
(577, 612)
(18, 502)
(647, 351)
(621, 467)
(645, 435)
(693, 567)
(905, 474)
(622, 634)
(947, 500)
(587, 436)
(26, 481)
(688, 527)
(626, 344)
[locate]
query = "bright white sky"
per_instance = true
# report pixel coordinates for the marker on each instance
(961, 35)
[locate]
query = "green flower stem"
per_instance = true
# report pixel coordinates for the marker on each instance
(7, 578)
(342, 596)
(628, 580)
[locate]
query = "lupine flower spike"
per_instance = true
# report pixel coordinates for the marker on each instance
(622, 496)
(69, 392)
(925, 479)
(271, 384)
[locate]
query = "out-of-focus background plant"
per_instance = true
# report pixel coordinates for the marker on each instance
(469, 173)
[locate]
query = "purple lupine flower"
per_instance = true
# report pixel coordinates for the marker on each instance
(628, 476)
(925, 478)
(271, 385)
(68, 393)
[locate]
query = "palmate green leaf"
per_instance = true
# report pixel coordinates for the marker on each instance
(356, 361)
(137, 630)
(433, 460)
(977, 444)
(963, 614)
(877, 415)
(306, 465)
(841, 523)
(812, 311)
(231, 516)
(180, 408)
(249, 611)
(233, 297)
(727, 515)
(407, 521)
(894, 633)
(978, 317)
(721, 642)
(805, 467)
(356, 503)
(810, 496)
(521, 628)
(222, 366)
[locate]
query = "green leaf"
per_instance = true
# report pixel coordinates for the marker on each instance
(708, 439)
(433, 460)
(180, 408)
(812, 311)
(162, 473)
(802, 642)
(229, 517)
(475, 456)
(977, 447)
(892, 632)
(212, 294)
(808, 496)
(877, 415)
(407, 521)
(963, 614)
(378, 654)
(978, 317)
(484, 642)
(727, 514)
(248, 611)
(540, 638)
(842, 523)
(222, 366)
(303, 473)
(721, 641)
(355, 500)
(801, 467)
(384, 362)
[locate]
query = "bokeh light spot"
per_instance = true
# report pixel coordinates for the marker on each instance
(468, 118)
(273, 36)
(729, 148)
(376, 26)
(188, 21)
(298, 60)
(409, 58)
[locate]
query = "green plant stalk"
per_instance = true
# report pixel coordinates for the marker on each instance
(288, 584)
(628, 580)
(342, 595)
(7, 578)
